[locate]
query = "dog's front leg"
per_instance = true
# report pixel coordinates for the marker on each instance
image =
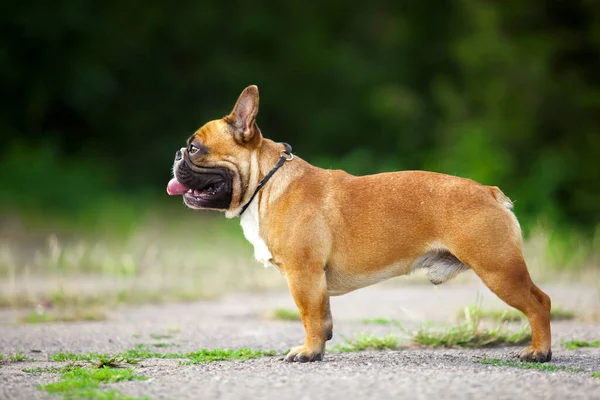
(308, 287)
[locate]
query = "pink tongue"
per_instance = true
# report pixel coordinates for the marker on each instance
(175, 188)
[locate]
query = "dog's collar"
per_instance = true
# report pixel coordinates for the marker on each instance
(286, 155)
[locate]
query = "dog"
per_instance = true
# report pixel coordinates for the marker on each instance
(330, 232)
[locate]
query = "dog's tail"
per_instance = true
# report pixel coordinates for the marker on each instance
(505, 202)
(501, 197)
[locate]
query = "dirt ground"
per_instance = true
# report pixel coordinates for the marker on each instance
(242, 320)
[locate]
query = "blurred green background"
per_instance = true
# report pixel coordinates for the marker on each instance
(97, 96)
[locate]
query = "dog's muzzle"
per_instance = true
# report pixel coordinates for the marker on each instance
(201, 187)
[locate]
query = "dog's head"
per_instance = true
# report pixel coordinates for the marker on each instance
(213, 170)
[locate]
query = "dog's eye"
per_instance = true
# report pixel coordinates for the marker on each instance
(192, 149)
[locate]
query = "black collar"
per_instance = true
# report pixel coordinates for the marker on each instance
(286, 155)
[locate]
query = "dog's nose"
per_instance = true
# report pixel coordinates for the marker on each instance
(178, 155)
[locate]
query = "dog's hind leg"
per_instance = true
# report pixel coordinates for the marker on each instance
(505, 273)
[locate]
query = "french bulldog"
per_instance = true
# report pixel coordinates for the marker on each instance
(330, 232)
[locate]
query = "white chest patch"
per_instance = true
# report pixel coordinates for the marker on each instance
(250, 225)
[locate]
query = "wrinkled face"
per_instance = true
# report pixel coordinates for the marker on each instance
(213, 170)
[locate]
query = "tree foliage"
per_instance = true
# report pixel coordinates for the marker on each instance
(506, 93)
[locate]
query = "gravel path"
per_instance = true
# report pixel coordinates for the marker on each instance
(241, 320)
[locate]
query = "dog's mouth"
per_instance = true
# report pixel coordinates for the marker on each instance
(202, 190)
(175, 188)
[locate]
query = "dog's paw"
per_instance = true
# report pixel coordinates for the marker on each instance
(530, 354)
(302, 354)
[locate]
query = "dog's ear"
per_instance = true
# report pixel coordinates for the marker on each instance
(243, 116)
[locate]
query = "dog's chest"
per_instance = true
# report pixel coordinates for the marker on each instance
(250, 225)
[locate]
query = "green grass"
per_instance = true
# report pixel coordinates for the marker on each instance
(52, 370)
(470, 334)
(158, 336)
(512, 315)
(560, 314)
(164, 345)
(380, 321)
(529, 365)
(206, 356)
(465, 335)
(60, 315)
(366, 341)
(97, 359)
(577, 344)
(84, 383)
(142, 352)
(596, 374)
(286, 314)
(74, 357)
(115, 361)
(19, 356)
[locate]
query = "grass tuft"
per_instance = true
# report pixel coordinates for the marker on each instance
(60, 357)
(529, 365)
(53, 370)
(61, 315)
(465, 335)
(173, 329)
(127, 357)
(380, 321)
(560, 314)
(366, 341)
(158, 336)
(85, 383)
(163, 345)
(469, 334)
(596, 374)
(286, 314)
(512, 315)
(577, 344)
(205, 356)
(142, 352)
(19, 356)
(115, 361)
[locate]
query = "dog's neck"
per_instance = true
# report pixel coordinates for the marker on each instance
(268, 154)
(262, 161)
